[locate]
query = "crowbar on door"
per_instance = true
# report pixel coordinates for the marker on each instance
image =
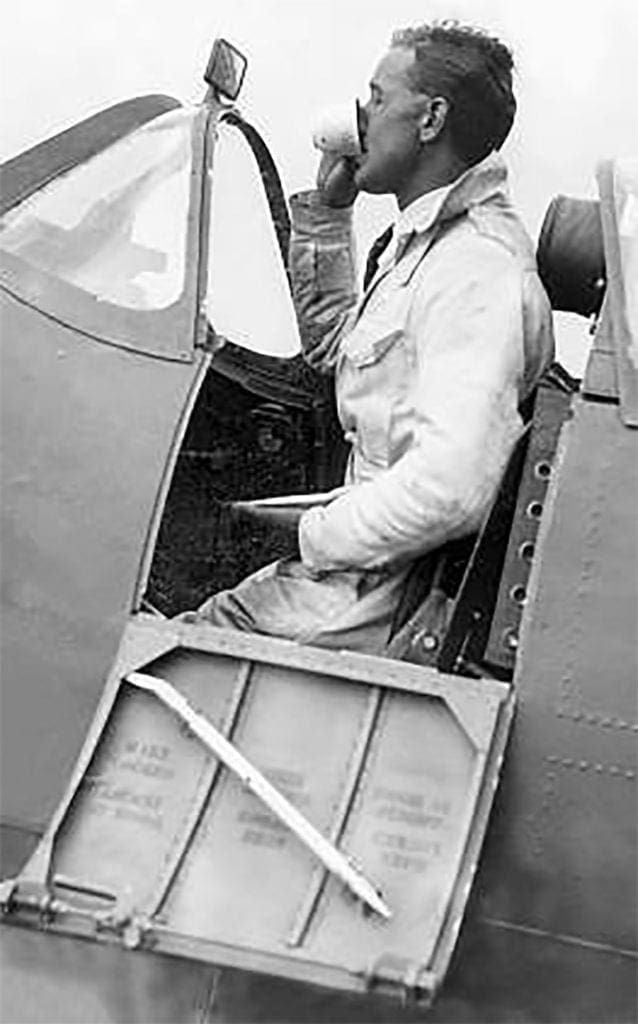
(335, 861)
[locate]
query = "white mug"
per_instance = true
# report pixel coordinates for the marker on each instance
(338, 130)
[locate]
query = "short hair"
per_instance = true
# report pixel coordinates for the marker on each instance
(473, 71)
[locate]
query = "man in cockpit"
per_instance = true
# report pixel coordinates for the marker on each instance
(431, 364)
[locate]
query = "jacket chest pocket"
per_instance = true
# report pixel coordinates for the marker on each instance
(370, 347)
(373, 376)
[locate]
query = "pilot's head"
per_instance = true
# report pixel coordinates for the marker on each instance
(441, 99)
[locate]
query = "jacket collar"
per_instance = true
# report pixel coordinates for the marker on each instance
(484, 183)
(480, 183)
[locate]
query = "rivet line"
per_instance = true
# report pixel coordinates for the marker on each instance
(590, 718)
(611, 769)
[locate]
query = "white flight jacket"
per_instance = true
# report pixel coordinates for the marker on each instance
(430, 365)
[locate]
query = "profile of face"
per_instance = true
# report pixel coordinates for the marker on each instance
(393, 119)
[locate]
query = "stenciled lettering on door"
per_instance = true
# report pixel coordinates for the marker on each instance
(411, 830)
(127, 781)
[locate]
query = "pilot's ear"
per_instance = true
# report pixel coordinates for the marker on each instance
(433, 119)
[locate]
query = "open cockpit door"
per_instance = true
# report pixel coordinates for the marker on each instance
(158, 844)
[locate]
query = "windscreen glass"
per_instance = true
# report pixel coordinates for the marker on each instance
(115, 226)
(248, 299)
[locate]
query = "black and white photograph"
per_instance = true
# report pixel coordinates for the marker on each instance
(319, 512)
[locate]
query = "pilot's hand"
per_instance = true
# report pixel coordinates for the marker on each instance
(335, 179)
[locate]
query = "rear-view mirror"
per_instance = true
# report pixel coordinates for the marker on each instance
(226, 69)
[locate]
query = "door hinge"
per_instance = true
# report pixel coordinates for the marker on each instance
(394, 976)
(122, 920)
(125, 922)
(30, 896)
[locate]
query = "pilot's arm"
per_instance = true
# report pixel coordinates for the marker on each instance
(323, 273)
(469, 367)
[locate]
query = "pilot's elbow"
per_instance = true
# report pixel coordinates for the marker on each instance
(463, 505)
(472, 482)
(460, 495)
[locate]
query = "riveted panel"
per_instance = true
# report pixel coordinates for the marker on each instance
(566, 828)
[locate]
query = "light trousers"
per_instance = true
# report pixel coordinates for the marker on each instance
(351, 610)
